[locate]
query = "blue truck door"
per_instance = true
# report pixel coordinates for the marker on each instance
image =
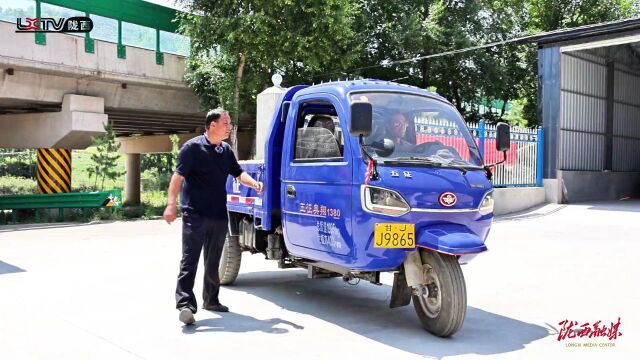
(317, 180)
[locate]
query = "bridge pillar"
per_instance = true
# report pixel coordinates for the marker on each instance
(132, 180)
(54, 171)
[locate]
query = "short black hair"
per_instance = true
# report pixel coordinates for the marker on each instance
(213, 115)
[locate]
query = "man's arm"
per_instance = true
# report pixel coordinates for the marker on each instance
(246, 180)
(171, 211)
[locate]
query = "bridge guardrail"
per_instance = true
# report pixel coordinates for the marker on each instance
(135, 23)
(77, 200)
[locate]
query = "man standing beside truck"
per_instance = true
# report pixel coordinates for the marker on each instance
(204, 163)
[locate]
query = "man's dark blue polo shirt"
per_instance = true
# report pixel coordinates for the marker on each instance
(205, 172)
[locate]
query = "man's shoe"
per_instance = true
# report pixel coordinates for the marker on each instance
(186, 316)
(216, 308)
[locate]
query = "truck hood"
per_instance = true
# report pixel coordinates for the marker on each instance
(423, 187)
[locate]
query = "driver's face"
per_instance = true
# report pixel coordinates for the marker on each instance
(398, 125)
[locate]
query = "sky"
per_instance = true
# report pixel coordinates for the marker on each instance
(167, 3)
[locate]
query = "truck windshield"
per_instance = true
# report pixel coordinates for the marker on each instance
(423, 130)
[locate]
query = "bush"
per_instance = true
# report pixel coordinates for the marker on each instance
(153, 182)
(18, 162)
(153, 203)
(106, 214)
(26, 169)
(13, 185)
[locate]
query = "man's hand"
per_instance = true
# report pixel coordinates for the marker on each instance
(259, 187)
(170, 213)
(246, 180)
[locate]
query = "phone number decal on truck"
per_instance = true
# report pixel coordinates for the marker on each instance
(319, 210)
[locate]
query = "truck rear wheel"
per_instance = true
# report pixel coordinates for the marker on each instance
(230, 260)
(443, 309)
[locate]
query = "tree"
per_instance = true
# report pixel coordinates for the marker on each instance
(438, 26)
(408, 29)
(237, 46)
(106, 157)
(162, 164)
(548, 15)
(18, 162)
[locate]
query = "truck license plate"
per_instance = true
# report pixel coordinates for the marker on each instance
(393, 236)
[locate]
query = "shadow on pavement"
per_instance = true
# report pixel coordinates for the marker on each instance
(9, 269)
(621, 205)
(233, 322)
(26, 227)
(364, 309)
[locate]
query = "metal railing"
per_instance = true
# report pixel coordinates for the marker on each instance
(523, 166)
(124, 22)
(78, 200)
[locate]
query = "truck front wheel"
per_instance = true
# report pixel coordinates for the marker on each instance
(230, 260)
(443, 309)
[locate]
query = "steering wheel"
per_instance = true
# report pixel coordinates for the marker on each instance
(422, 148)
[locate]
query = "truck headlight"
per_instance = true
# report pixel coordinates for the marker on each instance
(486, 206)
(383, 201)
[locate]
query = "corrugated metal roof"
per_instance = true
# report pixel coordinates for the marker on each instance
(587, 31)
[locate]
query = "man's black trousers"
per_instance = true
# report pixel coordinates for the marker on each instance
(198, 234)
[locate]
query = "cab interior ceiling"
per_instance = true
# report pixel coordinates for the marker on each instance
(318, 108)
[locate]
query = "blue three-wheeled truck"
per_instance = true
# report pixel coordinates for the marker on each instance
(363, 177)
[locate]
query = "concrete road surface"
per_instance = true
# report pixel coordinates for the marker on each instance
(105, 291)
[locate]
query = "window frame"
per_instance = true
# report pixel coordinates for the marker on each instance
(301, 121)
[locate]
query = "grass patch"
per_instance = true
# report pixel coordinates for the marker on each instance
(80, 180)
(153, 203)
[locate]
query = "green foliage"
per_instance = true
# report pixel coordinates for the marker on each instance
(212, 78)
(14, 185)
(152, 206)
(317, 41)
(80, 180)
(293, 37)
(516, 117)
(159, 167)
(105, 160)
(153, 203)
(175, 148)
(505, 72)
(18, 162)
(548, 15)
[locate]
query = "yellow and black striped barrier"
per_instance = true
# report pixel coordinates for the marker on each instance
(54, 171)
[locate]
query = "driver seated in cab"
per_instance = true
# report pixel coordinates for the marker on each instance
(395, 130)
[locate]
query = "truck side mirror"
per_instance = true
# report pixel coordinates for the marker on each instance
(361, 118)
(384, 147)
(503, 137)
